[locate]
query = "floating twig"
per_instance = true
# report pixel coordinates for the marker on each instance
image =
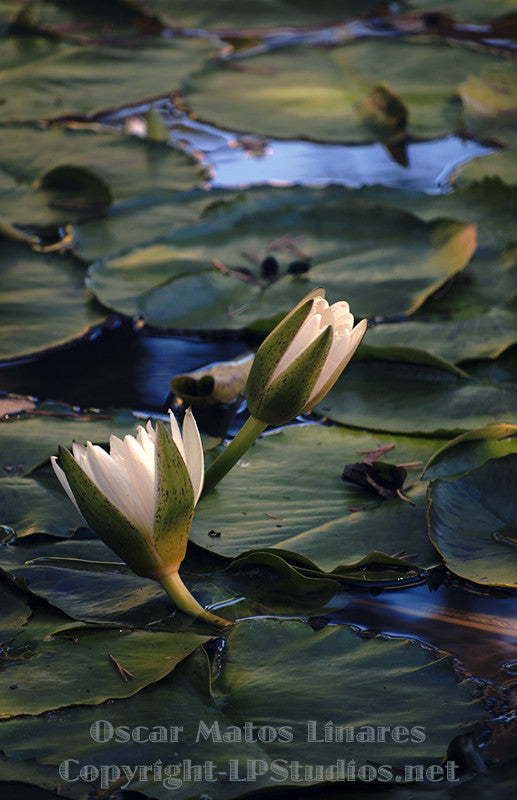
(125, 674)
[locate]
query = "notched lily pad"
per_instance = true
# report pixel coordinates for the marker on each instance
(472, 522)
(76, 189)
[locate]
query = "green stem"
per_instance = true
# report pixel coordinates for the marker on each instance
(250, 431)
(177, 590)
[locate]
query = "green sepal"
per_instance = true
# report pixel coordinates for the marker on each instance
(174, 501)
(285, 397)
(104, 518)
(273, 348)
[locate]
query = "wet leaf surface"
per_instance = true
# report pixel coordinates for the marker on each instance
(272, 672)
(318, 92)
(374, 393)
(15, 612)
(76, 667)
(325, 520)
(43, 301)
(57, 79)
(472, 450)
(31, 439)
(327, 226)
(472, 522)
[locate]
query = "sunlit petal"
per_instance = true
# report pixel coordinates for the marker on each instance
(193, 452)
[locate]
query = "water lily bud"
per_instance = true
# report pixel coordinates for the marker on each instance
(302, 358)
(139, 499)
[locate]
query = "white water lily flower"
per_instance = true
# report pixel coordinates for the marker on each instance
(140, 497)
(301, 359)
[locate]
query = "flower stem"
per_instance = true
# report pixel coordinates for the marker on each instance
(250, 431)
(183, 599)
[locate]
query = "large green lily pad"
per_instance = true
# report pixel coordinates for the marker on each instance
(15, 611)
(297, 501)
(368, 259)
(89, 21)
(275, 675)
(472, 522)
(43, 301)
(73, 667)
(263, 13)
(485, 335)
(487, 199)
(58, 79)
(28, 441)
(471, 450)
(416, 398)
(30, 506)
(321, 93)
(468, 11)
(118, 190)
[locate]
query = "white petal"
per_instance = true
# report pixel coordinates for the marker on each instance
(63, 480)
(112, 481)
(151, 431)
(338, 350)
(79, 453)
(147, 443)
(194, 453)
(140, 474)
(341, 351)
(176, 435)
(320, 305)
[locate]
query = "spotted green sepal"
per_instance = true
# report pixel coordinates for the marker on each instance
(174, 501)
(285, 397)
(104, 518)
(272, 349)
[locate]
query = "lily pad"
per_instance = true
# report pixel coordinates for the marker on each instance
(28, 441)
(490, 103)
(472, 522)
(225, 14)
(281, 676)
(485, 335)
(138, 179)
(30, 506)
(89, 21)
(369, 260)
(60, 79)
(468, 10)
(488, 199)
(376, 393)
(74, 667)
(297, 501)
(43, 301)
(471, 450)
(319, 93)
(15, 611)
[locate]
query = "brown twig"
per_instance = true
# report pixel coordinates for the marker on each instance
(125, 674)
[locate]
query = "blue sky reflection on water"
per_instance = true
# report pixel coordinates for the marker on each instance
(238, 160)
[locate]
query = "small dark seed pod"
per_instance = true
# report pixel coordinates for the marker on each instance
(269, 267)
(298, 267)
